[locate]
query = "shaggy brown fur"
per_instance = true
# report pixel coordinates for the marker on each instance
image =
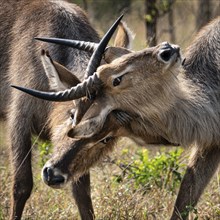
(181, 104)
(178, 103)
(21, 21)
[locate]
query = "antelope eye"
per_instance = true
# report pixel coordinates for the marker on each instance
(72, 112)
(106, 140)
(116, 81)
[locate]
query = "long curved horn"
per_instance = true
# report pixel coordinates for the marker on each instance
(81, 45)
(97, 55)
(88, 86)
(92, 82)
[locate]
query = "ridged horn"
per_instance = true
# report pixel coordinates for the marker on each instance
(87, 87)
(92, 82)
(97, 55)
(81, 45)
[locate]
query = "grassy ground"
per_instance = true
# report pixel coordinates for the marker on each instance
(112, 200)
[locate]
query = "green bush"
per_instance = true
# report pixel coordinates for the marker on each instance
(163, 170)
(45, 149)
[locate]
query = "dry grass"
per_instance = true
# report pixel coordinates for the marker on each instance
(111, 200)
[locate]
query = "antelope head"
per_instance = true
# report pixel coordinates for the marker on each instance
(73, 156)
(118, 84)
(92, 132)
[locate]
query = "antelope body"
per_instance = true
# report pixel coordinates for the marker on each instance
(20, 64)
(21, 21)
(179, 103)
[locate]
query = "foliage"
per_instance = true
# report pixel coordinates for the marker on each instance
(192, 209)
(45, 148)
(104, 12)
(163, 170)
(1, 213)
(121, 202)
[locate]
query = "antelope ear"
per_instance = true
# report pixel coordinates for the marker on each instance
(60, 78)
(122, 43)
(124, 36)
(92, 122)
(113, 53)
(85, 129)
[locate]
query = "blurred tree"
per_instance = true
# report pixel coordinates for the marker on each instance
(153, 10)
(85, 4)
(105, 11)
(171, 23)
(204, 13)
(151, 17)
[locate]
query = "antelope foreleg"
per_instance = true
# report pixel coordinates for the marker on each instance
(201, 168)
(82, 195)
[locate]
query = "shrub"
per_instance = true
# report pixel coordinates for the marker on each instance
(164, 170)
(45, 148)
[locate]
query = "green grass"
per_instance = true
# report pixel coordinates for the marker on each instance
(163, 170)
(111, 199)
(114, 199)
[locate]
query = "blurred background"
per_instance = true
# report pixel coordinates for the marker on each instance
(153, 21)
(133, 183)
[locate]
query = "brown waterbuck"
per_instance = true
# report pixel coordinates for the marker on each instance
(177, 102)
(21, 21)
(73, 160)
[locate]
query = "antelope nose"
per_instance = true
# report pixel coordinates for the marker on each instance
(172, 47)
(52, 178)
(175, 48)
(168, 50)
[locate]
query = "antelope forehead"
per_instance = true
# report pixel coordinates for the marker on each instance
(126, 69)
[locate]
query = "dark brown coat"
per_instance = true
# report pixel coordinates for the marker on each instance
(20, 22)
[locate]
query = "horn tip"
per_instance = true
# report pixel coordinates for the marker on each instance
(37, 38)
(18, 87)
(13, 86)
(41, 39)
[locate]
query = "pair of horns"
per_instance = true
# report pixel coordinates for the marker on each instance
(92, 82)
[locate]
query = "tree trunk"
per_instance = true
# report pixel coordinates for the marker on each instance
(151, 15)
(85, 5)
(204, 13)
(170, 22)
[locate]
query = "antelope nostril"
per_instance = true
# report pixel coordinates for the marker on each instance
(47, 174)
(57, 180)
(166, 54)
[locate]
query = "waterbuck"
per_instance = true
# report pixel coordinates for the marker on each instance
(177, 102)
(21, 21)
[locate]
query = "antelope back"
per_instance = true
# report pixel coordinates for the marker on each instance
(128, 78)
(153, 84)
